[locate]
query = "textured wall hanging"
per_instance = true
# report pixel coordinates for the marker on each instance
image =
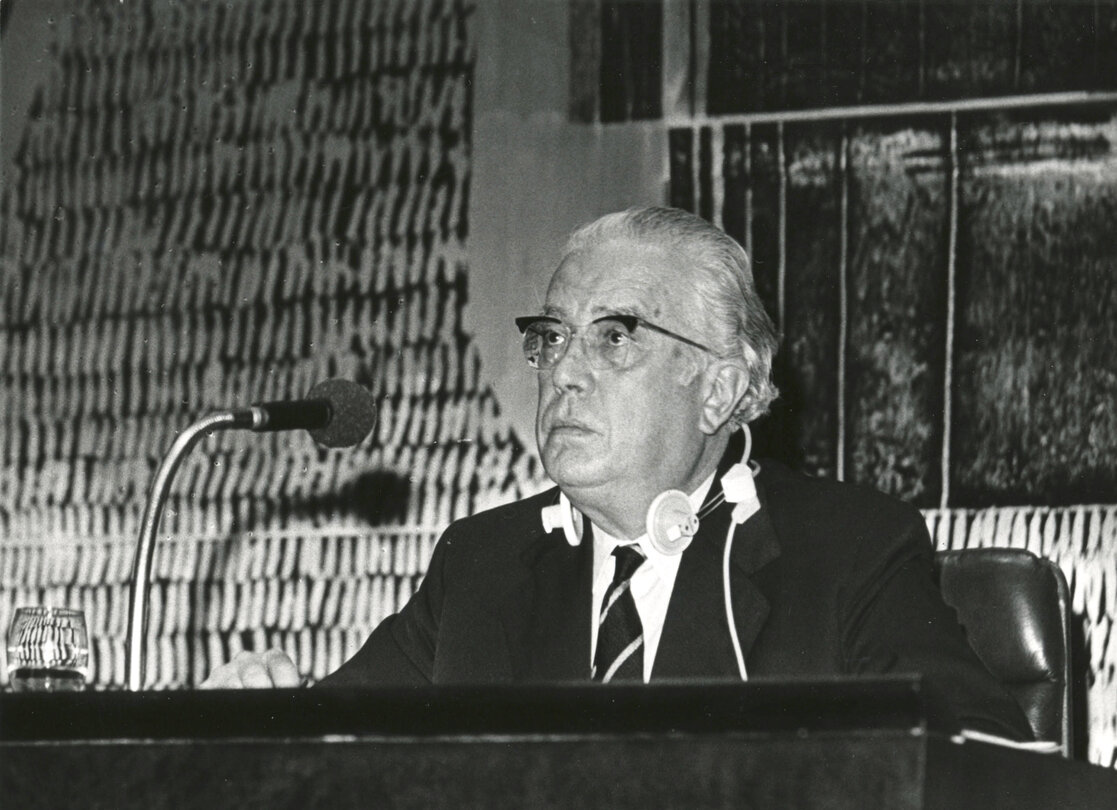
(219, 203)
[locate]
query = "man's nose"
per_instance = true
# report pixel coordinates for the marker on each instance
(573, 369)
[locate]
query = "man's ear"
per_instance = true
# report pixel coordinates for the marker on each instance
(726, 382)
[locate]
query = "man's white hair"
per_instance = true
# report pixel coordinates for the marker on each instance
(733, 320)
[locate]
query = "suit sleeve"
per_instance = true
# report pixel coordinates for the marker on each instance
(401, 650)
(898, 623)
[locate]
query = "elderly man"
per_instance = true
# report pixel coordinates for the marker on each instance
(652, 354)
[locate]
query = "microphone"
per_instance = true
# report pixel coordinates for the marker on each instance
(337, 413)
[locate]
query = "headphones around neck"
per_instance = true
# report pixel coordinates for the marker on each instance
(671, 522)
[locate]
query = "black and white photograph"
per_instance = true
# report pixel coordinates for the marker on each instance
(558, 403)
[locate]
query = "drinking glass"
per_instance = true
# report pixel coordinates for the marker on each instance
(48, 650)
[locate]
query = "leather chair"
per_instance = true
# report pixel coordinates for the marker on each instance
(1015, 608)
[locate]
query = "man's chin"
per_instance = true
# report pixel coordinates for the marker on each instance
(572, 469)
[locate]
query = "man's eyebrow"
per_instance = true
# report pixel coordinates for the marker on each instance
(596, 312)
(602, 312)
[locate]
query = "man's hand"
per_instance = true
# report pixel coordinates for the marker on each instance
(250, 670)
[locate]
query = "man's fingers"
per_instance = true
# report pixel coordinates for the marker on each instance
(281, 669)
(249, 670)
(224, 677)
(254, 675)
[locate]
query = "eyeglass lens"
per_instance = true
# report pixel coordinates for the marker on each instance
(607, 342)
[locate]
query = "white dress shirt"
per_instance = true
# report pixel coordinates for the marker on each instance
(651, 584)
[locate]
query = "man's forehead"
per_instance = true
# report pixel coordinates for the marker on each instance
(586, 302)
(614, 277)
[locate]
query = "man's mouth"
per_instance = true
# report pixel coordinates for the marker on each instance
(567, 425)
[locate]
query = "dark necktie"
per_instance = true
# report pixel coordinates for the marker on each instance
(620, 636)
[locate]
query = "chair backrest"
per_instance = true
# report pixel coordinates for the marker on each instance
(1015, 609)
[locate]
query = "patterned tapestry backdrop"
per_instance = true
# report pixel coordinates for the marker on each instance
(218, 203)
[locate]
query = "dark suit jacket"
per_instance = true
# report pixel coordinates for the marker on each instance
(827, 579)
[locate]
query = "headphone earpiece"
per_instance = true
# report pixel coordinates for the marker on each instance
(671, 522)
(551, 517)
(563, 515)
(740, 489)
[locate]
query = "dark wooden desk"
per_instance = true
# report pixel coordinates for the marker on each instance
(834, 744)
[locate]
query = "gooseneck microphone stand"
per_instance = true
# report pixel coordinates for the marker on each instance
(337, 413)
(153, 512)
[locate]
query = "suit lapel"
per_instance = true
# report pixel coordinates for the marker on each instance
(695, 640)
(546, 614)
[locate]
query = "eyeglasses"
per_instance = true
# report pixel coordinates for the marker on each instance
(611, 341)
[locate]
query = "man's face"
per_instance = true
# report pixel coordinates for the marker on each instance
(636, 427)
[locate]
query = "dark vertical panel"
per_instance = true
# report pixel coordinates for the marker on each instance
(585, 59)
(1036, 337)
(764, 181)
(844, 67)
(969, 48)
(705, 174)
(747, 56)
(738, 69)
(803, 66)
(990, 67)
(773, 47)
(1057, 47)
(1104, 51)
(897, 266)
(631, 60)
(812, 328)
(891, 69)
(776, 435)
(946, 49)
(735, 175)
(680, 143)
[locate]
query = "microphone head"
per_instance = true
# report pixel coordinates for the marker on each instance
(353, 413)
